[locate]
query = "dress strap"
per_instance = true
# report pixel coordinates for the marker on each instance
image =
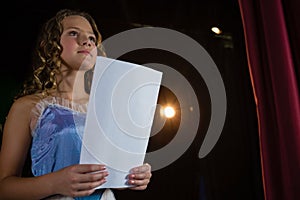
(39, 108)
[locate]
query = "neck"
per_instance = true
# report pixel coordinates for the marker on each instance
(71, 85)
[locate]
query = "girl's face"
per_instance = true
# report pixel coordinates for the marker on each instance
(78, 42)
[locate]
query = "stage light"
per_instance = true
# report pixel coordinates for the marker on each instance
(216, 30)
(169, 112)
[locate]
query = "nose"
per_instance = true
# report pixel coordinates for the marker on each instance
(85, 41)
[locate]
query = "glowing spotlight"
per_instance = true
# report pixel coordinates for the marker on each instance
(216, 30)
(169, 112)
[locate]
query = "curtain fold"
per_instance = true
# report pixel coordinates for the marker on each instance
(273, 68)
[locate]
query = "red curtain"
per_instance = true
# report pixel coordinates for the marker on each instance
(271, 30)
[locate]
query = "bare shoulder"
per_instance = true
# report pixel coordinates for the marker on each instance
(19, 117)
(25, 104)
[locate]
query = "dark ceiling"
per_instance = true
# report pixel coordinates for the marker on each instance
(192, 17)
(181, 14)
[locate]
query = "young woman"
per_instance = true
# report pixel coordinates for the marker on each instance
(41, 120)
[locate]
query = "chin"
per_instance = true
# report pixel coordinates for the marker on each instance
(85, 65)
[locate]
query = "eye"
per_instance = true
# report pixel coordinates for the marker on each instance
(93, 39)
(73, 33)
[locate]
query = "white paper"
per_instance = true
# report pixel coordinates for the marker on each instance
(120, 114)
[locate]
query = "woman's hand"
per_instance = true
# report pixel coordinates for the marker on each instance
(140, 177)
(79, 180)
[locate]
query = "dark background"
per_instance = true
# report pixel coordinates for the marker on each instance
(232, 169)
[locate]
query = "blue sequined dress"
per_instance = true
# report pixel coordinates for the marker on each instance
(57, 126)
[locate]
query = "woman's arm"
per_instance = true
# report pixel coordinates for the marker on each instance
(15, 145)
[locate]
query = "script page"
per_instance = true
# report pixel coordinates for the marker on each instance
(121, 108)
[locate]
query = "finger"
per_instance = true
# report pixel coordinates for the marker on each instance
(88, 186)
(141, 169)
(139, 184)
(140, 176)
(88, 168)
(91, 177)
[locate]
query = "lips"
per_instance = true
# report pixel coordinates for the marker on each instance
(84, 52)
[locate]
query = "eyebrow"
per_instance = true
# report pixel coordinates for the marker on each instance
(74, 27)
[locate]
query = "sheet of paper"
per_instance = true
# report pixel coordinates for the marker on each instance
(120, 114)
